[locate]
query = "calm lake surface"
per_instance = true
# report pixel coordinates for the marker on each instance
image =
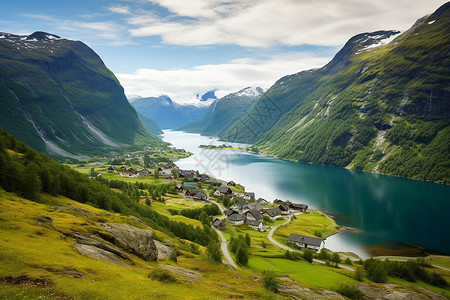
(386, 208)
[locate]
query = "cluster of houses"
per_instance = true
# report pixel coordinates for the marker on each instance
(129, 172)
(163, 170)
(252, 213)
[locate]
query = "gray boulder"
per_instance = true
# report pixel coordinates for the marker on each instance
(133, 240)
(164, 252)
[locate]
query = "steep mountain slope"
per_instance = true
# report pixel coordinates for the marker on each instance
(168, 114)
(225, 112)
(59, 97)
(151, 125)
(382, 108)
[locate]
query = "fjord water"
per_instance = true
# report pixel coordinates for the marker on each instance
(385, 208)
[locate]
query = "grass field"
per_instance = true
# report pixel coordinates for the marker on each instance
(41, 260)
(301, 271)
(307, 224)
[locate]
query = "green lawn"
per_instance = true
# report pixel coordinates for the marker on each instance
(301, 271)
(307, 224)
(442, 261)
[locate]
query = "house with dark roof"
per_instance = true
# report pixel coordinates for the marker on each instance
(262, 201)
(231, 183)
(249, 196)
(254, 224)
(298, 207)
(199, 196)
(224, 190)
(191, 193)
(219, 224)
(112, 169)
(240, 206)
(236, 219)
(254, 215)
(273, 213)
(306, 241)
(284, 209)
(278, 201)
(229, 212)
(254, 205)
(179, 188)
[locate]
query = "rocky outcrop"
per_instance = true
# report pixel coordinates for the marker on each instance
(296, 291)
(100, 254)
(188, 274)
(164, 252)
(396, 292)
(76, 210)
(133, 240)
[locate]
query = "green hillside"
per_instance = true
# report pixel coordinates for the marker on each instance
(151, 125)
(225, 112)
(373, 107)
(59, 97)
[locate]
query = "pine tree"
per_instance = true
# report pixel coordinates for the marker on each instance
(31, 184)
(242, 255)
(214, 252)
(247, 239)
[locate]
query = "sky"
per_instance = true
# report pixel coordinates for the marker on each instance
(181, 48)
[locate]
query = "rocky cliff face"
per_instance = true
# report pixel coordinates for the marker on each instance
(59, 97)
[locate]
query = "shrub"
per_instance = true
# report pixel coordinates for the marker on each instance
(323, 254)
(270, 281)
(349, 291)
(348, 261)
(335, 258)
(358, 275)
(214, 252)
(162, 275)
(318, 233)
(308, 255)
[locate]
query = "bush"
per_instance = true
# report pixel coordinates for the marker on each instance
(270, 281)
(323, 254)
(349, 291)
(308, 255)
(162, 275)
(358, 275)
(348, 261)
(318, 233)
(214, 252)
(335, 258)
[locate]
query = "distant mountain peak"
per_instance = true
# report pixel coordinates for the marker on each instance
(40, 35)
(250, 91)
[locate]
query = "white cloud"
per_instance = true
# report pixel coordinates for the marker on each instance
(182, 84)
(124, 10)
(270, 22)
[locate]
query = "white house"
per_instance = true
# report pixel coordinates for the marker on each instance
(306, 241)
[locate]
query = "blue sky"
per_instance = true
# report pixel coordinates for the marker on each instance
(182, 48)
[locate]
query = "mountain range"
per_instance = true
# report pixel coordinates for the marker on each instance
(380, 105)
(58, 96)
(169, 114)
(224, 112)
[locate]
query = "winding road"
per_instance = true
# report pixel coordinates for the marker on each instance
(224, 242)
(269, 236)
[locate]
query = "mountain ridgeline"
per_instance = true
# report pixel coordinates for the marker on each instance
(168, 114)
(224, 112)
(376, 107)
(59, 97)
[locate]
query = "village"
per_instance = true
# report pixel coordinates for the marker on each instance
(238, 207)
